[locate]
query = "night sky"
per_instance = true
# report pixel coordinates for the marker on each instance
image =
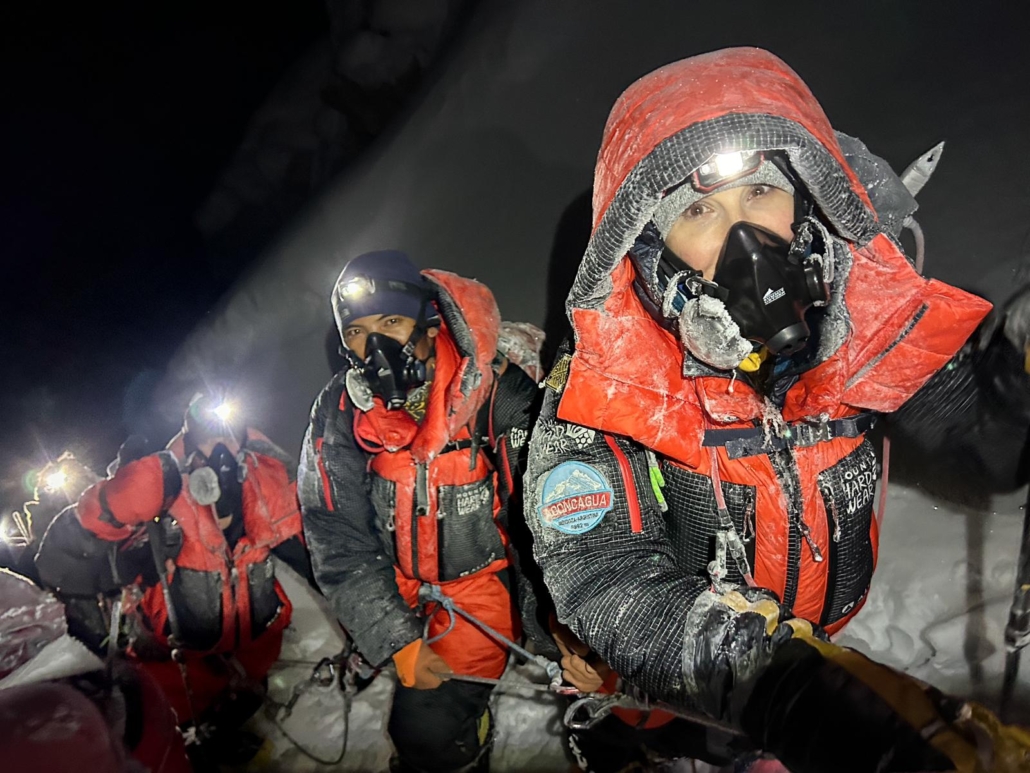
(117, 119)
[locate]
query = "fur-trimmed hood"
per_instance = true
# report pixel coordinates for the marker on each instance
(669, 122)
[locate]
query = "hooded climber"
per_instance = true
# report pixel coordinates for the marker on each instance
(700, 471)
(406, 480)
(214, 506)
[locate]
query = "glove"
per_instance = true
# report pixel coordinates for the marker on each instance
(820, 707)
(143, 489)
(420, 667)
(731, 637)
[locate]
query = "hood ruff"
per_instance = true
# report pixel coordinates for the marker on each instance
(828, 179)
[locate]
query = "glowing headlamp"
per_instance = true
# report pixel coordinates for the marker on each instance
(726, 167)
(56, 480)
(357, 287)
(224, 411)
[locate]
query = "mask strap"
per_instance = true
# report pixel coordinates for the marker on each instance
(825, 258)
(673, 292)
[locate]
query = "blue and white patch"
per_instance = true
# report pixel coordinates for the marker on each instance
(574, 498)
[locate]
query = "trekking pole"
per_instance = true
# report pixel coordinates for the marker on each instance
(1017, 632)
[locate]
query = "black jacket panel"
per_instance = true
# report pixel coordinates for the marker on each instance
(350, 563)
(620, 591)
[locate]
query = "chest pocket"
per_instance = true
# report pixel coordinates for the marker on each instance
(467, 533)
(847, 489)
(384, 500)
(197, 597)
(264, 601)
(692, 520)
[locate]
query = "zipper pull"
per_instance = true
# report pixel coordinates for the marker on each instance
(657, 480)
(817, 554)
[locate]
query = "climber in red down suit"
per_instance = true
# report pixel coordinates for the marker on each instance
(225, 499)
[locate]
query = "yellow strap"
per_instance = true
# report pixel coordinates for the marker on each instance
(754, 361)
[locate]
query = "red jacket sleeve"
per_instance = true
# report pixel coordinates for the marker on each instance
(138, 492)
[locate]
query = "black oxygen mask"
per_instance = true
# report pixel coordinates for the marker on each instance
(767, 285)
(391, 368)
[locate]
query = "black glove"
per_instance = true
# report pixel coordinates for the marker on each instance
(819, 707)
(731, 637)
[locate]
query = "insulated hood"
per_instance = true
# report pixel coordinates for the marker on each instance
(669, 122)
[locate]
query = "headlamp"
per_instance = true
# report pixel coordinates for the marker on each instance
(357, 287)
(726, 167)
(224, 410)
(56, 480)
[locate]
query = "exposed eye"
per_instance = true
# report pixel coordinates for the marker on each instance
(759, 190)
(391, 321)
(697, 209)
(352, 333)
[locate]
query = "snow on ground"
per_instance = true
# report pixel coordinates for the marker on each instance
(529, 731)
(941, 595)
(937, 609)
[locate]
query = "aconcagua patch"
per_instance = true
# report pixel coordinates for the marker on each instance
(574, 498)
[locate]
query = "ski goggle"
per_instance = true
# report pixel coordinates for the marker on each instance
(722, 168)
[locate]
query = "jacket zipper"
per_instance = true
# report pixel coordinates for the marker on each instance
(234, 577)
(420, 506)
(326, 490)
(636, 521)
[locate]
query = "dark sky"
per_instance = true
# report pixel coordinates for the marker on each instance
(116, 119)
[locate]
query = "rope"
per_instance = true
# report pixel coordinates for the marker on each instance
(348, 686)
(311, 755)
